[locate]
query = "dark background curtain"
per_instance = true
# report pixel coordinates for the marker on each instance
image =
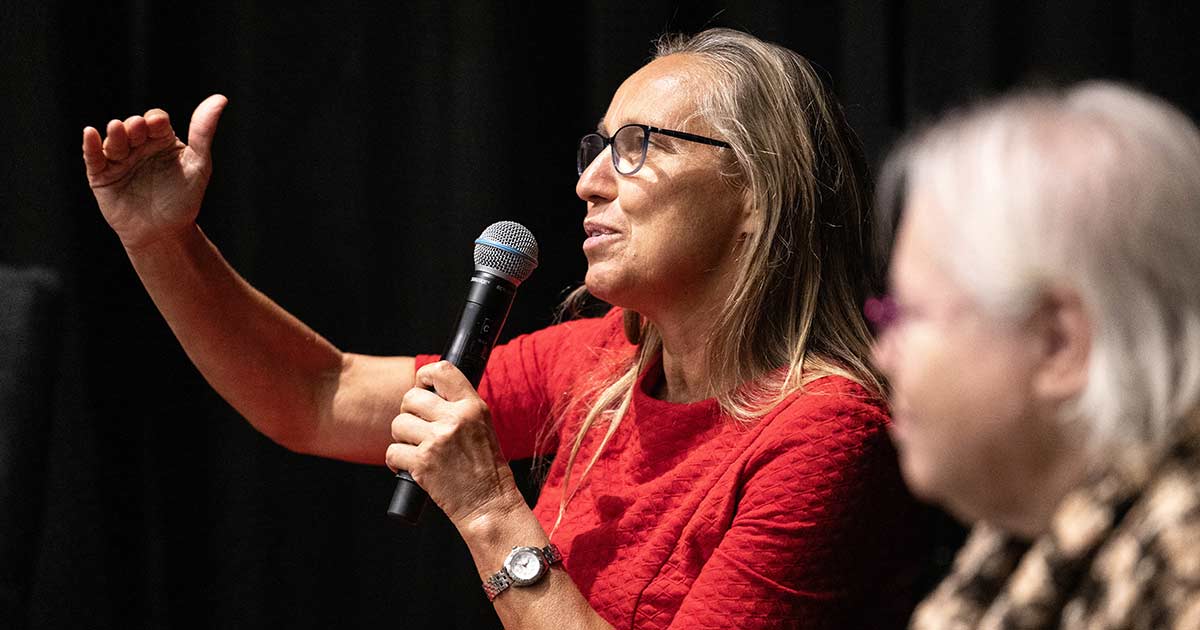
(363, 149)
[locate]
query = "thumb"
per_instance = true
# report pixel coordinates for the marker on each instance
(204, 124)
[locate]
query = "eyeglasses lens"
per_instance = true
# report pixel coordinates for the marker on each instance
(590, 146)
(629, 143)
(881, 313)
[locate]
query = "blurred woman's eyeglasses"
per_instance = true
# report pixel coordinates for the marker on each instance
(881, 312)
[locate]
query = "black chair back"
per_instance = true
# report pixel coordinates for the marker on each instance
(30, 331)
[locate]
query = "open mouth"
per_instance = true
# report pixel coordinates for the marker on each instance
(598, 236)
(597, 230)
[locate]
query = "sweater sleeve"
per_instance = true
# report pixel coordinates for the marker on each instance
(527, 379)
(810, 545)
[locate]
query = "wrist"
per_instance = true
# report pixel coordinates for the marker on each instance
(502, 515)
(165, 243)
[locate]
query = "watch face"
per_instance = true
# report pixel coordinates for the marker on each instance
(524, 565)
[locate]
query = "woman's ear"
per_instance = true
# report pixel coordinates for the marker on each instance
(749, 223)
(1066, 331)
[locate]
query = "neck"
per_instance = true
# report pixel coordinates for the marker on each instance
(685, 356)
(1064, 472)
(686, 326)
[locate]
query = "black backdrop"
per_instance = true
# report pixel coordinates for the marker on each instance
(363, 149)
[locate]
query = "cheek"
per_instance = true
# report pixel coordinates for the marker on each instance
(703, 231)
(958, 405)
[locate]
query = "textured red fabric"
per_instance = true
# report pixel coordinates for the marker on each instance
(692, 519)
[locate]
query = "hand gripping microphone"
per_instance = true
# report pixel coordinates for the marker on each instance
(505, 254)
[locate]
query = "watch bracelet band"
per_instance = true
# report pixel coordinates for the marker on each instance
(499, 581)
(551, 554)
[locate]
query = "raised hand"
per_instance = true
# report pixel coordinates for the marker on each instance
(148, 183)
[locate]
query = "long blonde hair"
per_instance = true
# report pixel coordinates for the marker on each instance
(794, 312)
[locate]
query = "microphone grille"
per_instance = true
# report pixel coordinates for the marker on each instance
(507, 249)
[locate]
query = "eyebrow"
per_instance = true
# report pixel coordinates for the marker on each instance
(601, 128)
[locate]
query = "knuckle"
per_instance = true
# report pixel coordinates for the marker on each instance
(420, 375)
(478, 409)
(442, 368)
(410, 398)
(442, 431)
(430, 369)
(423, 460)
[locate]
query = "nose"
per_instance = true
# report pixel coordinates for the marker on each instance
(598, 183)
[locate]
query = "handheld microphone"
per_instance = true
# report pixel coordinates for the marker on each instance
(505, 254)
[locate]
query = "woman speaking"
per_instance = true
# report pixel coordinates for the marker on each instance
(719, 440)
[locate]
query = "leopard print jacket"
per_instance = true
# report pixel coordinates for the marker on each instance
(1123, 551)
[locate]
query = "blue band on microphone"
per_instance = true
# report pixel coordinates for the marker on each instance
(481, 241)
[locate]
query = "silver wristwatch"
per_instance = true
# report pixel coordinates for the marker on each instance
(522, 567)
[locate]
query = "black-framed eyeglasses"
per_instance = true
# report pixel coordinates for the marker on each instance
(629, 145)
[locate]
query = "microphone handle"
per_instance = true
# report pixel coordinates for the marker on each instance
(489, 299)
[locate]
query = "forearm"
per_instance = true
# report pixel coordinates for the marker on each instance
(284, 378)
(554, 603)
(278, 373)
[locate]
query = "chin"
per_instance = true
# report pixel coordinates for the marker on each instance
(602, 286)
(920, 479)
(943, 488)
(596, 289)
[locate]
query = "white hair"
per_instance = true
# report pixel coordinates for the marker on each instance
(1095, 188)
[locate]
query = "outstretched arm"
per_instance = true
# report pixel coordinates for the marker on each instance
(288, 381)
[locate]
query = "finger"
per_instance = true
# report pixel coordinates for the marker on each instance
(204, 124)
(158, 123)
(449, 382)
(135, 128)
(116, 142)
(93, 152)
(410, 429)
(402, 457)
(421, 402)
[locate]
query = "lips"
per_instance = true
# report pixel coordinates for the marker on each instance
(598, 235)
(597, 229)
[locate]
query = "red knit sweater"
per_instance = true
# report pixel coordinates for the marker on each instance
(692, 519)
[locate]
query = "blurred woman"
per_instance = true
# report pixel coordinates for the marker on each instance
(1043, 344)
